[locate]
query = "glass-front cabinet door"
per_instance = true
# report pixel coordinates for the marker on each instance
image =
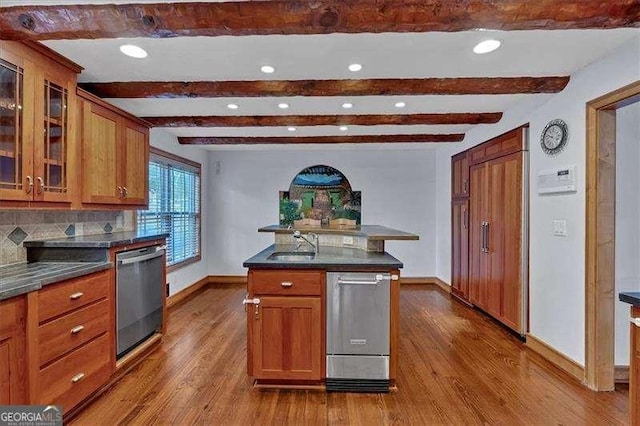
(53, 137)
(16, 182)
(54, 148)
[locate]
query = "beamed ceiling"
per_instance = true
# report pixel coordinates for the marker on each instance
(204, 56)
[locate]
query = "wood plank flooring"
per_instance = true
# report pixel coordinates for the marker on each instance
(456, 367)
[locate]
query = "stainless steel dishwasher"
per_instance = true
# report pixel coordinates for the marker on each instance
(139, 287)
(358, 331)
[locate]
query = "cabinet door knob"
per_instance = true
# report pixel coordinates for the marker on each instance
(29, 187)
(77, 377)
(120, 192)
(76, 296)
(286, 284)
(40, 187)
(77, 329)
(124, 192)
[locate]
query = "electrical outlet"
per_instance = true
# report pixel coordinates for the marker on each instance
(347, 241)
(560, 228)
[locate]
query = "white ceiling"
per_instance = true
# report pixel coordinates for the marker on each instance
(397, 55)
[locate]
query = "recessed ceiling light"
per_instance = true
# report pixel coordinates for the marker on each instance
(486, 46)
(355, 67)
(343, 128)
(232, 106)
(283, 105)
(267, 69)
(291, 129)
(347, 105)
(133, 51)
(400, 104)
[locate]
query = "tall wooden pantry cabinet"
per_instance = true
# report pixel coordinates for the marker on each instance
(489, 229)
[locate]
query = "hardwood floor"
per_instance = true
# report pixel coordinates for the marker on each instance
(456, 367)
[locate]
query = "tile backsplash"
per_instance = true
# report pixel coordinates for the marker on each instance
(18, 226)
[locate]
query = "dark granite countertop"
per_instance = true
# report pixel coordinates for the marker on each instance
(372, 232)
(632, 298)
(97, 241)
(330, 258)
(21, 278)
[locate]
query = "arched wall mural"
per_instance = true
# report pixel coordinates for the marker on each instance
(320, 193)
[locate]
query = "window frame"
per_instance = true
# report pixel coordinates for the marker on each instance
(173, 158)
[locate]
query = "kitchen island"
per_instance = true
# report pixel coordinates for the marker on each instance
(322, 314)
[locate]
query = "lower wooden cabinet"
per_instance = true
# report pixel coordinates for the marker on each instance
(73, 348)
(287, 335)
(285, 328)
(634, 373)
(460, 248)
(12, 351)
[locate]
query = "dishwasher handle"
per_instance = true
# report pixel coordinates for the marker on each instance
(378, 280)
(160, 252)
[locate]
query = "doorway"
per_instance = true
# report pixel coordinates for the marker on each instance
(600, 258)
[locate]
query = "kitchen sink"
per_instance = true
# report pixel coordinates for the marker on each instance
(294, 256)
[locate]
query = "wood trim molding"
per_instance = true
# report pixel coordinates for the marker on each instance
(187, 292)
(199, 285)
(174, 157)
(600, 236)
(621, 374)
(223, 140)
(442, 286)
(324, 120)
(239, 18)
(559, 359)
(228, 279)
(85, 95)
(364, 87)
(52, 54)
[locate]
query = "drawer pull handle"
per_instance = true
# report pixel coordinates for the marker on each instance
(286, 284)
(77, 378)
(76, 296)
(77, 329)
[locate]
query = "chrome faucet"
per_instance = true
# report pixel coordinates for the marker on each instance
(316, 247)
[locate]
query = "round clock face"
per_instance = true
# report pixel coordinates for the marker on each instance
(554, 137)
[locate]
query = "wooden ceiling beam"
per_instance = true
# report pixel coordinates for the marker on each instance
(324, 120)
(370, 87)
(223, 140)
(238, 18)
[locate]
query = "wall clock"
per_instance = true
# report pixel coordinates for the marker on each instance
(554, 137)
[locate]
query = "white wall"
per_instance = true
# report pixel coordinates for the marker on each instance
(557, 271)
(627, 220)
(398, 190)
(185, 276)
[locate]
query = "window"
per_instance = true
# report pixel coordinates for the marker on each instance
(174, 206)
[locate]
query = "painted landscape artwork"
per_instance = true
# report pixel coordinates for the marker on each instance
(321, 193)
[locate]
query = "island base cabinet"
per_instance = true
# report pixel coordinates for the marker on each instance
(286, 338)
(634, 385)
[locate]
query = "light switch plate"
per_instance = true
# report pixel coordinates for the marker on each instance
(347, 241)
(560, 228)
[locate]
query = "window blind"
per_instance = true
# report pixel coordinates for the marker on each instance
(174, 206)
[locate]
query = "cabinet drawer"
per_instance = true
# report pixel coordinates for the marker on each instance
(57, 299)
(74, 377)
(66, 333)
(293, 283)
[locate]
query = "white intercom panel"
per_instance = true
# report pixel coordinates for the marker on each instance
(555, 181)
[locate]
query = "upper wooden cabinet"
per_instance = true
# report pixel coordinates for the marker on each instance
(460, 176)
(115, 154)
(37, 136)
